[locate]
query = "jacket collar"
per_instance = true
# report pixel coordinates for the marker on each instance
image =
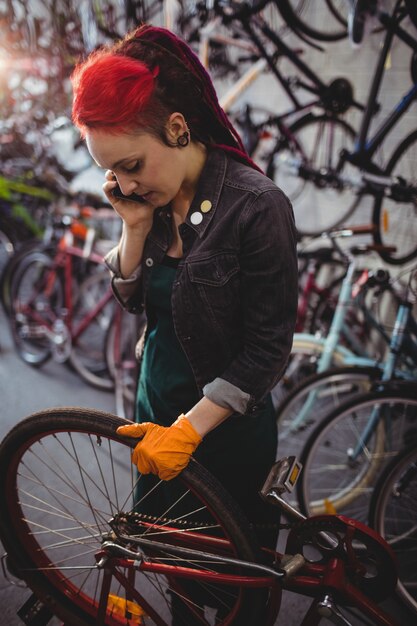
(204, 204)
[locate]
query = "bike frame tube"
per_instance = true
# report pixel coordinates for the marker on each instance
(288, 53)
(316, 581)
(405, 103)
(388, 371)
(87, 319)
(338, 320)
(357, 346)
(363, 146)
(182, 572)
(373, 93)
(329, 346)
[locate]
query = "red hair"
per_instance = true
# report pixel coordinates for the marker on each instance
(139, 81)
(110, 91)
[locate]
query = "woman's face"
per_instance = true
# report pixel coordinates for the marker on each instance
(141, 163)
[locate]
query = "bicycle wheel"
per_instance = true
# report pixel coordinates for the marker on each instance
(356, 21)
(327, 24)
(314, 398)
(323, 307)
(412, 11)
(7, 244)
(303, 362)
(393, 514)
(396, 221)
(121, 340)
(93, 313)
(339, 469)
(37, 297)
(10, 269)
(300, 162)
(68, 486)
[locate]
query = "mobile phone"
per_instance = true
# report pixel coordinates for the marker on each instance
(133, 197)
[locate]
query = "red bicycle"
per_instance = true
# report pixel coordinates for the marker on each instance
(62, 305)
(94, 552)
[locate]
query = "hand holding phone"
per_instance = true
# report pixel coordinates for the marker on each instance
(133, 197)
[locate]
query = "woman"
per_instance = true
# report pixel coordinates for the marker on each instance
(208, 249)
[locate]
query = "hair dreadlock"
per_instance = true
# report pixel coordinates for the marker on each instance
(139, 81)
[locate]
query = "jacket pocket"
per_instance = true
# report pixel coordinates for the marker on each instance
(215, 271)
(215, 282)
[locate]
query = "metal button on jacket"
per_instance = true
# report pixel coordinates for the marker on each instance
(205, 206)
(196, 218)
(149, 262)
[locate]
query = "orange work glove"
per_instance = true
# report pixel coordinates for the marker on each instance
(163, 451)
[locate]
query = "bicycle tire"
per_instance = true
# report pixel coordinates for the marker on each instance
(303, 362)
(396, 223)
(9, 270)
(293, 16)
(28, 296)
(120, 349)
(87, 355)
(8, 242)
(323, 307)
(52, 517)
(393, 515)
(357, 20)
(330, 480)
(338, 10)
(412, 11)
(330, 389)
(314, 142)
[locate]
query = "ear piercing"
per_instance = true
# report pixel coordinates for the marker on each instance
(184, 139)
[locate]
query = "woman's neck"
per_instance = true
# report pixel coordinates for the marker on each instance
(180, 205)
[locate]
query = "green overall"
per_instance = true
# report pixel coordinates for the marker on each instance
(241, 450)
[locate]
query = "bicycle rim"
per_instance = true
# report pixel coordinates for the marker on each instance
(88, 348)
(314, 398)
(327, 24)
(121, 340)
(7, 245)
(37, 297)
(396, 222)
(65, 474)
(393, 514)
(316, 145)
(303, 362)
(331, 479)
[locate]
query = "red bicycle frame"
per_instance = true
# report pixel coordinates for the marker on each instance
(317, 580)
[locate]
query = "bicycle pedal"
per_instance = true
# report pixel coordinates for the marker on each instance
(282, 477)
(34, 612)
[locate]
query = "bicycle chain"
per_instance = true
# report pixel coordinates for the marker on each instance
(136, 519)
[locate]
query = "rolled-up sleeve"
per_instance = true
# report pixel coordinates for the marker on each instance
(126, 290)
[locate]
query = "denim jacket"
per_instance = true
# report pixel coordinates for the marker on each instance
(234, 298)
